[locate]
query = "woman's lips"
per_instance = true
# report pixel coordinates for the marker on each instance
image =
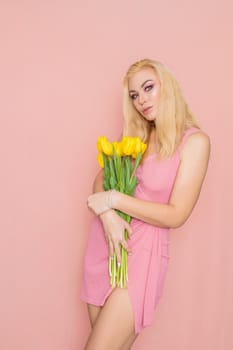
(147, 110)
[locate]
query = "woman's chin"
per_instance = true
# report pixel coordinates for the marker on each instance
(150, 118)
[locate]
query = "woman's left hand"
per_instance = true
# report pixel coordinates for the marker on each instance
(101, 201)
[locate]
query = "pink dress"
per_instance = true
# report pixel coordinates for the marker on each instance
(147, 266)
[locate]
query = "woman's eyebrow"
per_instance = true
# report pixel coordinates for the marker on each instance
(141, 85)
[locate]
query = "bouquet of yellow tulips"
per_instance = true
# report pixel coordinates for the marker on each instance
(120, 161)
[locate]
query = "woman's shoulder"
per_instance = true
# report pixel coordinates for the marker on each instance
(195, 140)
(194, 133)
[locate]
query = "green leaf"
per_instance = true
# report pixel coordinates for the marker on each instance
(106, 185)
(127, 170)
(122, 188)
(112, 169)
(113, 183)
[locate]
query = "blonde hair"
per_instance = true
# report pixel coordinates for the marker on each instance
(173, 116)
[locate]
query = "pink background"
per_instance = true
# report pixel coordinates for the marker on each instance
(62, 64)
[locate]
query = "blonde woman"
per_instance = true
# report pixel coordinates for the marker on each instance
(170, 179)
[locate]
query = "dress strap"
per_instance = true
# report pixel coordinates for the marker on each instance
(187, 133)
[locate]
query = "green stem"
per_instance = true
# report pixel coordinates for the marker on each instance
(136, 164)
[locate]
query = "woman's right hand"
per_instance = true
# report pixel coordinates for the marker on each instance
(114, 228)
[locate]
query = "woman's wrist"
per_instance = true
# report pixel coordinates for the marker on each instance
(105, 214)
(102, 202)
(114, 199)
(112, 202)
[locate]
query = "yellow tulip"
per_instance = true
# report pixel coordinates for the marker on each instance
(104, 145)
(99, 145)
(144, 147)
(100, 159)
(127, 145)
(137, 145)
(117, 147)
(134, 155)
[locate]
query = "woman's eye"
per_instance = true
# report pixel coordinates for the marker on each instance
(133, 96)
(149, 87)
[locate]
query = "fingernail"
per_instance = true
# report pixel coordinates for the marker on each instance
(118, 264)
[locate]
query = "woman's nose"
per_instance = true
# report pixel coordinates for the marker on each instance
(141, 98)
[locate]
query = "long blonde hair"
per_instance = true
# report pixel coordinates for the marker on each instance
(173, 116)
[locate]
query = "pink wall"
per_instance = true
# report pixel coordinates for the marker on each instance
(62, 64)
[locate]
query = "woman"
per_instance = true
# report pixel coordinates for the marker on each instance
(170, 179)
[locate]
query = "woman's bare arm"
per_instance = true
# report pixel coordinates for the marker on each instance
(98, 182)
(191, 173)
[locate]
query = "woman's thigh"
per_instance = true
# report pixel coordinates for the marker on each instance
(114, 324)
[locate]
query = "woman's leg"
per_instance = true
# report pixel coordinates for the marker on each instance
(93, 312)
(114, 324)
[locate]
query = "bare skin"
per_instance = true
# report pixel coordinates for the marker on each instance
(112, 324)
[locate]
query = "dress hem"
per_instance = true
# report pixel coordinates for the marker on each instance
(137, 328)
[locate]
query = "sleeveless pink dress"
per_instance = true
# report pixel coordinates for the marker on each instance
(147, 266)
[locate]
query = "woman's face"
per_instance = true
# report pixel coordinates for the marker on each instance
(144, 90)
